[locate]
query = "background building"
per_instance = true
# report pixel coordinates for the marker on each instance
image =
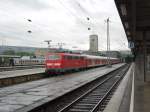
(41, 52)
(93, 43)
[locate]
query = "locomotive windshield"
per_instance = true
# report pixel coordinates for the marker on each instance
(54, 57)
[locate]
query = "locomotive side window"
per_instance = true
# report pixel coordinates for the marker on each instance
(73, 57)
(82, 58)
(76, 57)
(54, 57)
(65, 57)
(69, 57)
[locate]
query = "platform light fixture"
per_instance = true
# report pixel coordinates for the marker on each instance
(126, 25)
(129, 38)
(123, 9)
(128, 33)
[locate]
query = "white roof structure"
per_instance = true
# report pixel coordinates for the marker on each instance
(96, 57)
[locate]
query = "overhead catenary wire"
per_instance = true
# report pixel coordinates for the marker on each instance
(44, 28)
(67, 10)
(71, 13)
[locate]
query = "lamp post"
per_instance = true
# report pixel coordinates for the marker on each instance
(108, 44)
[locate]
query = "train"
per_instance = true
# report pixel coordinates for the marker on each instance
(27, 62)
(20, 61)
(63, 62)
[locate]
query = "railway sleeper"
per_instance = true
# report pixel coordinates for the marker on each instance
(82, 107)
(85, 104)
(79, 110)
(98, 96)
(90, 100)
(93, 102)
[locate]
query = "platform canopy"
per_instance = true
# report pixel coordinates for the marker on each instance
(135, 16)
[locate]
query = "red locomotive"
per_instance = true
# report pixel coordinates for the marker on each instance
(62, 62)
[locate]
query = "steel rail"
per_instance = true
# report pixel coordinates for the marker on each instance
(96, 107)
(67, 107)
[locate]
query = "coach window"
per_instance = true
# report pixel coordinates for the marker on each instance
(65, 57)
(73, 57)
(76, 57)
(69, 57)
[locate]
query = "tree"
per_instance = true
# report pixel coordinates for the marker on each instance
(9, 52)
(24, 54)
(12, 52)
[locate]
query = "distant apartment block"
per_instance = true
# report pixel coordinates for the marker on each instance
(93, 43)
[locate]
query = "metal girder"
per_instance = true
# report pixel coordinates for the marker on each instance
(144, 28)
(137, 17)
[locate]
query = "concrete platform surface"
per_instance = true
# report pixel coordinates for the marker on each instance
(16, 73)
(142, 98)
(23, 97)
(120, 101)
(21, 66)
(141, 90)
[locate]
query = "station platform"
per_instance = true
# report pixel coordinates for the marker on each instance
(17, 73)
(12, 68)
(133, 94)
(26, 96)
(122, 99)
(8, 78)
(21, 66)
(141, 85)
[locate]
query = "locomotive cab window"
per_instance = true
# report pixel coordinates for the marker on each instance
(54, 57)
(69, 57)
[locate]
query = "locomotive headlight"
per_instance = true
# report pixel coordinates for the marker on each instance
(53, 64)
(57, 64)
(49, 64)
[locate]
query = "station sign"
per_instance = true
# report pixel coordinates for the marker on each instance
(131, 44)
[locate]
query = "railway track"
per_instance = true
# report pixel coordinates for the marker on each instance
(91, 97)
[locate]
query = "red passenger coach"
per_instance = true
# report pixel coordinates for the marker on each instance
(61, 62)
(93, 61)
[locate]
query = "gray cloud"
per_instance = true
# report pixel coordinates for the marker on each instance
(60, 21)
(32, 4)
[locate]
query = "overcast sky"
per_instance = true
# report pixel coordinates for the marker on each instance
(62, 21)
